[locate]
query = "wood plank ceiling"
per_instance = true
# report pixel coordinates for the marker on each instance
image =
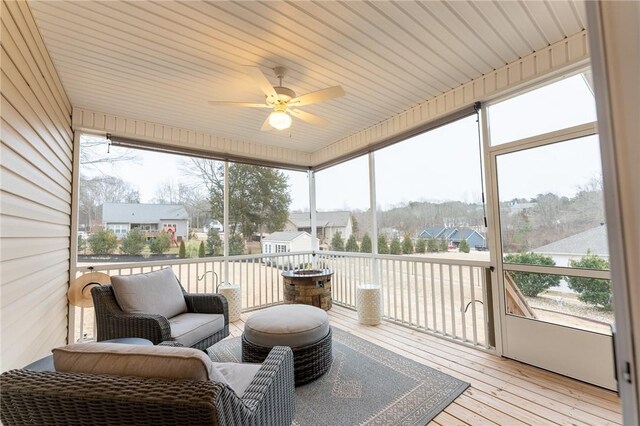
(162, 61)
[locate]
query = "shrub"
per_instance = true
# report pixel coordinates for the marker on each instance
(161, 243)
(182, 251)
(383, 247)
(104, 241)
(82, 244)
(236, 245)
(395, 247)
(464, 246)
(201, 251)
(407, 245)
(134, 242)
(352, 244)
(532, 284)
(214, 243)
(591, 290)
(337, 243)
(421, 245)
(432, 245)
(365, 245)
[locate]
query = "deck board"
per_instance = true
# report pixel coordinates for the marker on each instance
(502, 391)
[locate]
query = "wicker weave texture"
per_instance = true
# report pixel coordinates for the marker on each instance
(113, 323)
(309, 362)
(54, 398)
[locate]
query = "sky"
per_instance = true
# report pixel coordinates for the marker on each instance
(439, 165)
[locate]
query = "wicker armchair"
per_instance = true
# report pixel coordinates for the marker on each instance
(55, 398)
(113, 323)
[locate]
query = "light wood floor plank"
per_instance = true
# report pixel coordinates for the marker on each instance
(502, 391)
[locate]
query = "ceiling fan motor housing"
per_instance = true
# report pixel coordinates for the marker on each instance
(284, 93)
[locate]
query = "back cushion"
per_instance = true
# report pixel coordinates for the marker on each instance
(161, 362)
(155, 292)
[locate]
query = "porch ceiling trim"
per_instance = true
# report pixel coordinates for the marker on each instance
(560, 57)
(565, 56)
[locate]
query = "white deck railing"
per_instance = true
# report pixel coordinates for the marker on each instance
(437, 295)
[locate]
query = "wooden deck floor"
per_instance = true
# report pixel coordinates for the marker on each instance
(502, 391)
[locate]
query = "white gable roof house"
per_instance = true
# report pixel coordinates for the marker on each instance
(122, 217)
(327, 223)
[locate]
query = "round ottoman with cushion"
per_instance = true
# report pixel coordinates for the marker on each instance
(305, 329)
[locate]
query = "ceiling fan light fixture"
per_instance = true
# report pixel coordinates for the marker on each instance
(279, 120)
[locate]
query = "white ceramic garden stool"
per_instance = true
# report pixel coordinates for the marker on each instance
(369, 304)
(233, 294)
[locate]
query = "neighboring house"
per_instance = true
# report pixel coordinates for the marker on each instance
(151, 218)
(577, 245)
(287, 242)
(453, 236)
(327, 223)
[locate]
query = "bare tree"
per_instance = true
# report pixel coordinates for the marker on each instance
(94, 192)
(95, 152)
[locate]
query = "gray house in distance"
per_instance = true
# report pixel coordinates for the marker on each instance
(454, 235)
(151, 218)
(328, 223)
(574, 247)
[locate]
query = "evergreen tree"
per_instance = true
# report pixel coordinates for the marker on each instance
(531, 284)
(407, 245)
(352, 244)
(442, 245)
(355, 227)
(383, 247)
(236, 245)
(182, 251)
(395, 247)
(337, 243)
(82, 244)
(421, 245)
(464, 246)
(201, 250)
(365, 245)
(432, 245)
(134, 242)
(214, 243)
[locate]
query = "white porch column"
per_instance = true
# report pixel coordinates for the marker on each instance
(374, 218)
(226, 221)
(615, 61)
(313, 215)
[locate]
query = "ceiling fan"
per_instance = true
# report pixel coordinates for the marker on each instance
(283, 101)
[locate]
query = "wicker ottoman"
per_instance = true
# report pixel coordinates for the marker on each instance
(305, 329)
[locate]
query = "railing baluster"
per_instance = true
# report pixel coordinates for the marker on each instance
(424, 295)
(415, 292)
(453, 302)
(473, 309)
(462, 304)
(444, 321)
(402, 304)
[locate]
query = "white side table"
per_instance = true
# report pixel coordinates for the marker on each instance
(369, 304)
(233, 293)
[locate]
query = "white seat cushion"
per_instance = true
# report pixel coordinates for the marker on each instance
(155, 292)
(188, 329)
(287, 325)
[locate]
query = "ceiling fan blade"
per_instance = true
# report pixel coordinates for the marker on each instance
(318, 96)
(239, 104)
(309, 118)
(263, 83)
(266, 126)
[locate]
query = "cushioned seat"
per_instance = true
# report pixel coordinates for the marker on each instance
(305, 329)
(188, 329)
(287, 325)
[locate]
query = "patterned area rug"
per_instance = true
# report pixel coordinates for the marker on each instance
(365, 385)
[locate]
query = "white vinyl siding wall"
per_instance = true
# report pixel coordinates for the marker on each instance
(35, 190)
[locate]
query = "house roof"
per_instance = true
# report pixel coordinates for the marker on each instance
(323, 219)
(449, 233)
(285, 236)
(142, 213)
(594, 239)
